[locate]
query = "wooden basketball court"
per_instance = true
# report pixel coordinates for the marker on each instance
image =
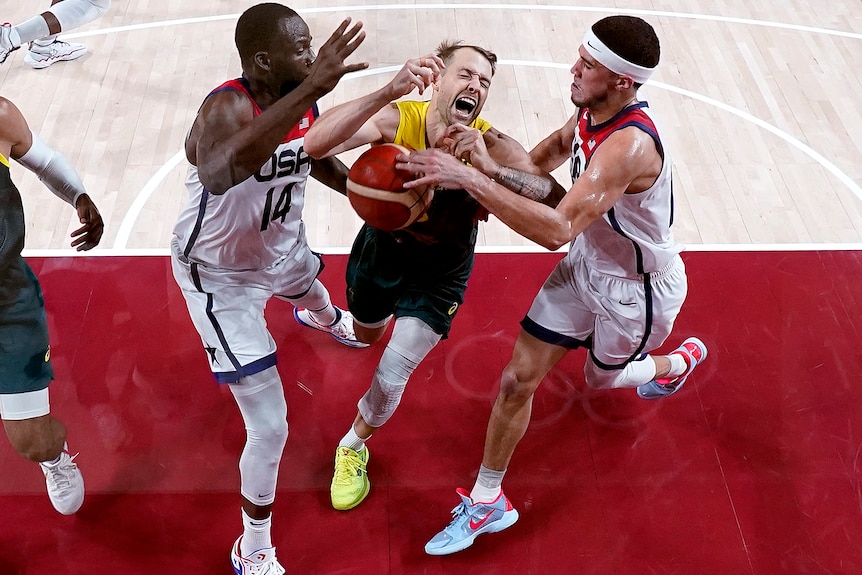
(754, 469)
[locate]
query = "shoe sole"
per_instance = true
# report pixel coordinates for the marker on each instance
(342, 341)
(42, 64)
(503, 523)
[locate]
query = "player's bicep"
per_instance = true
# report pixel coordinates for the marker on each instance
(556, 149)
(14, 131)
(220, 118)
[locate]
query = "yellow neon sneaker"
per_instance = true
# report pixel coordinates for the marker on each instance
(350, 484)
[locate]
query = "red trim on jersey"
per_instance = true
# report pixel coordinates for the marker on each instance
(298, 130)
(591, 136)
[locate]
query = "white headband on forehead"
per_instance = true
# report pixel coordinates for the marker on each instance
(610, 60)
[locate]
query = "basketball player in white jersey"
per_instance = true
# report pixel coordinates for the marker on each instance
(41, 32)
(240, 240)
(621, 285)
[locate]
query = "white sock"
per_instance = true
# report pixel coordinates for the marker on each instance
(46, 41)
(325, 316)
(30, 30)
(353, 441)
(677, 365)
(488, 485)
(255, 534)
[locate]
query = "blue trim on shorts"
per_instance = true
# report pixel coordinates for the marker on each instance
(196, 278)
(254, 367)
(552, 337)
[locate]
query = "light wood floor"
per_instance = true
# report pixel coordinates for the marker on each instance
(760, 104)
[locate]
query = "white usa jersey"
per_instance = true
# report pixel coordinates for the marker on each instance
(257, 222)
(634, 236)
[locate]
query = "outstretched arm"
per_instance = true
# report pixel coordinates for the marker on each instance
(505, 161)
(228, 144)
(331, 172)
(626, 156)
(372, 118)
(53, 169)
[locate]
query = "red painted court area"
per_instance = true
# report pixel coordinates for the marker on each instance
(754, 467)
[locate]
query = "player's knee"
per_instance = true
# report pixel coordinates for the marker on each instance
(599, 378)
(39, 439)
(515, 385)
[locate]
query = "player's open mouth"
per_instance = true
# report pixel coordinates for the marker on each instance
(464, 106)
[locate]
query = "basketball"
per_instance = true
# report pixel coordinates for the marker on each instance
(376, 189)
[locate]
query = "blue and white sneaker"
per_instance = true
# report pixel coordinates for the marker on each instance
(693, 351)
(261, 562)
(469, 520)
(341, 329)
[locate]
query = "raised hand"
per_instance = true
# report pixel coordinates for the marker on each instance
(416, 73)
(329, 66)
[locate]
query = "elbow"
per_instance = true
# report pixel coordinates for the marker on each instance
(314, 148)
(211, 184)
(553, 244)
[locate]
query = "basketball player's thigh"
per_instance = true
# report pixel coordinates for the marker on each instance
(229, 320)
(562, 307)
(25, 364)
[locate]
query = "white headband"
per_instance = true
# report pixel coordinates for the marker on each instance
(605, 56)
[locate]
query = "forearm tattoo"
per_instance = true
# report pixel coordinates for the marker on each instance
(524, 184)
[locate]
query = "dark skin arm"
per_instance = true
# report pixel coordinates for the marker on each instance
(228, 144)
(331, 172)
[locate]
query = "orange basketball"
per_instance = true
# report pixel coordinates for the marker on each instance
(376, 189)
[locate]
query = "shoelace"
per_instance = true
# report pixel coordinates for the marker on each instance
(50, 50)
(61, 474)
(347, 467)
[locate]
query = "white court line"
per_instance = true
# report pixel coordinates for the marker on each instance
(142, 197)
(151, 185)
(543, 7)
(529, 249)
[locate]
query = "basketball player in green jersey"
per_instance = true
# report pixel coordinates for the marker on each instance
(417, 275)
(25, 358)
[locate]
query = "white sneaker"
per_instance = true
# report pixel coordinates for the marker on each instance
(341, 329)
(261, 562)
(43, 56)
(65, 483)
(6, 46)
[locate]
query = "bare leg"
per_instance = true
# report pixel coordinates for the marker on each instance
(531, 360)
(37, 439)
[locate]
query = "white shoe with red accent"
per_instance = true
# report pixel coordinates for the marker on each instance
(6, 46)
(39, 56)
(341, 329)
(261, 562)
(693, 352)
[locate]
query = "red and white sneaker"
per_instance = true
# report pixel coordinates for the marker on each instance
(261, 562)
(6, 46)
(693, 351)
(39, 56)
